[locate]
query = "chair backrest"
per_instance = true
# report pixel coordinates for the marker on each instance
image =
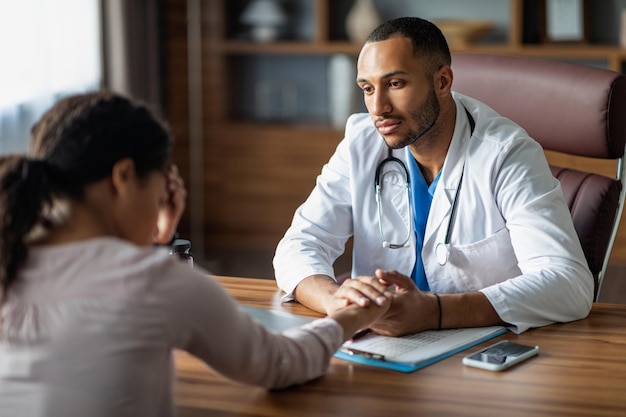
(568, 108)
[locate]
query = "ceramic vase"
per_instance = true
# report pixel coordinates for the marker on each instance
(344, 95)
(361, 20)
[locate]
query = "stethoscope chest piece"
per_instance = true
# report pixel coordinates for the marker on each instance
(441, 253)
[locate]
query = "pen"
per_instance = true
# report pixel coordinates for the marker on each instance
(352, 352)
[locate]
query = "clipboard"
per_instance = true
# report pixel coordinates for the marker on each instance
(276, 321)
(413, 352)
(372, 349)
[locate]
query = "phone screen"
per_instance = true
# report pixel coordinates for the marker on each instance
(500, 356)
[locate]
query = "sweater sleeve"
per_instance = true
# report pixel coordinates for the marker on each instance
(206, 321)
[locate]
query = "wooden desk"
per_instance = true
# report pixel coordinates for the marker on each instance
(580, 371)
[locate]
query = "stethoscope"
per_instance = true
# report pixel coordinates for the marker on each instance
(442, 249)
(390, 160)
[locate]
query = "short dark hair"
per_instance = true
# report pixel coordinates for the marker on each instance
(426, 38)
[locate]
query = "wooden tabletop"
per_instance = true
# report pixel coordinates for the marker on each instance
(580, 371)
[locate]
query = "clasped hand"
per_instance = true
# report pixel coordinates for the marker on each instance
(411, 310)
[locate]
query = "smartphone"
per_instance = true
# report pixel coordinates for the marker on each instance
(500, 356)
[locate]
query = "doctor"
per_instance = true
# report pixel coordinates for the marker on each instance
(445, 199)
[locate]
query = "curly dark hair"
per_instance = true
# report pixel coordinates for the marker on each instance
(75, 143)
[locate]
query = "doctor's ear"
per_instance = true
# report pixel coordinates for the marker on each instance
(442, 80)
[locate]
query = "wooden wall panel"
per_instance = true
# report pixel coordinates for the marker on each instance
(176, 88)
(257, 177)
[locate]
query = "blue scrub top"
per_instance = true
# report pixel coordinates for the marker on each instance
(421, 199)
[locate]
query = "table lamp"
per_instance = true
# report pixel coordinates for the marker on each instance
(265, 18)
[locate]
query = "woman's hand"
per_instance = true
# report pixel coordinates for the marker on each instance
(171, 212)
(406, 308)
(361, 291)
(354, 317)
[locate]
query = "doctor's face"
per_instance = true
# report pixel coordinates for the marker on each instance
(398, 93)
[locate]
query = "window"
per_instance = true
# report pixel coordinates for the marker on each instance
(48, 49)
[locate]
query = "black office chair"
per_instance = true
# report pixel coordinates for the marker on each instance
(568, 108)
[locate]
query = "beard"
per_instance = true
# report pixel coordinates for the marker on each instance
(425, 119)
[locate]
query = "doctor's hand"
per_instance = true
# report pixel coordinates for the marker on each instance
(411, 310)
(171, 212)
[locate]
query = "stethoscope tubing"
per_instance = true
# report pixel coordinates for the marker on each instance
(442, 249)
(378, 184)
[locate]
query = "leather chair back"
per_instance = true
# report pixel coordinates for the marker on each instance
(568, 108)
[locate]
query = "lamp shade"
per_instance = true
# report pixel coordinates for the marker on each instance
(263, 13)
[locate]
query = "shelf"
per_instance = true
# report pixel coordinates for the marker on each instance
(290, 48)
(263, 128)
(284, 63)
(324, 48)
(321, 48)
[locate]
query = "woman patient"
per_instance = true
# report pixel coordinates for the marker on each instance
(90, 308)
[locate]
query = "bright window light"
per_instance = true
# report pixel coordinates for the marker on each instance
(48, 48)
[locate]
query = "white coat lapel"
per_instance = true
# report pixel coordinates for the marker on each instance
(451, 174)
(443, 199)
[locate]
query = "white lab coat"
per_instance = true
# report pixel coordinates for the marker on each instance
(512, 237)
